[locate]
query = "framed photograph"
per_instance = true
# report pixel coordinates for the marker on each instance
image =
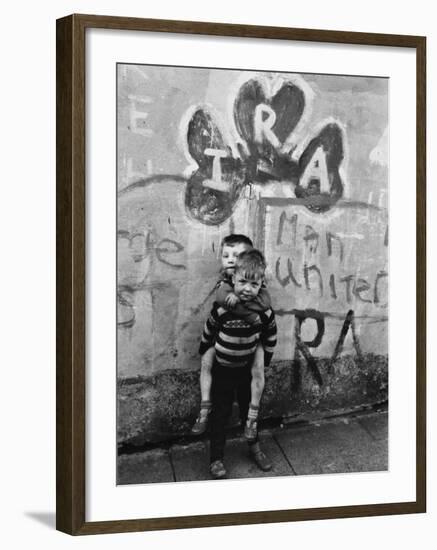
(241, 274)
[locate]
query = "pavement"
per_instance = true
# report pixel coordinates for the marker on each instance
(350, 443)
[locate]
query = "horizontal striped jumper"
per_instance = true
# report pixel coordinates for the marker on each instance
(235, 340)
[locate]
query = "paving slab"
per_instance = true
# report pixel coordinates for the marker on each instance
(152, 466)
(191, 462)
(335, 447)
(376, 424)
(240, 465)
(342, 445)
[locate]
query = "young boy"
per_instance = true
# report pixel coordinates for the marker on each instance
(232, 246)
(236, 340)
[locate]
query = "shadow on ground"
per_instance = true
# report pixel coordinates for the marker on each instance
(46, 518)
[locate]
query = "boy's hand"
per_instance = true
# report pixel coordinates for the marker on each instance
(231, 300)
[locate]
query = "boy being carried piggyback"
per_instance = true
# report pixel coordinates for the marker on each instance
(231, 247)
(241, 345)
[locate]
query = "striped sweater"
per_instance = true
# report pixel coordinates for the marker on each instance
(235, 340)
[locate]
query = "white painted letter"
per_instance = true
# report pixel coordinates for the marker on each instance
(264, 127)
(316, 169)
(216, 181)
(135, 115)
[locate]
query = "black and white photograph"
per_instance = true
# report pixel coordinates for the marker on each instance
(252, 273)
(218, 269)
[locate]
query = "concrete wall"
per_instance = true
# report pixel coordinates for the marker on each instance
(204, 153)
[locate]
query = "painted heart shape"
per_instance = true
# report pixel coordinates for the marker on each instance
(320, 184)
(255, 113)
(214, 188)
(265, 121)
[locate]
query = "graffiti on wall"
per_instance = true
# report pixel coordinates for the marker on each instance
(326, 252)
(335, 263)
(265, 114)
(329, 259)
(302, 349)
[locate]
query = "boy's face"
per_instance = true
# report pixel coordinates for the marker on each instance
(246, 288)
(230, 254)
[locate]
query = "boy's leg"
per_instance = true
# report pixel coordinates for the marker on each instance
(243, 392)
(222, 396)
(206, 363)
(243, 396)
(256, 391)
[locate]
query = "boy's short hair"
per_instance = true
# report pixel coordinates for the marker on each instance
(251, 263)
(235, 238)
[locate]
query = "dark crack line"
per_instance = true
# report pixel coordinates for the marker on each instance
(283, 454)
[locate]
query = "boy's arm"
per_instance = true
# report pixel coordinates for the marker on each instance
(210, 330)
(268, 335)
(223, 290)
(262, 302)
(259, 304)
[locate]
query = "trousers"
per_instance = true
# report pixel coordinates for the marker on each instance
(228, 384)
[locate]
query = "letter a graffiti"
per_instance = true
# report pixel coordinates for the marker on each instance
(317, 170)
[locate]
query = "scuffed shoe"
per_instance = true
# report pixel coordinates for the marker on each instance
(260, 458)
(251, 429)
(202, 420)
(201, 424)
(217, 469)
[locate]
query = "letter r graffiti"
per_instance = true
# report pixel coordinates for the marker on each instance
(263, 127)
